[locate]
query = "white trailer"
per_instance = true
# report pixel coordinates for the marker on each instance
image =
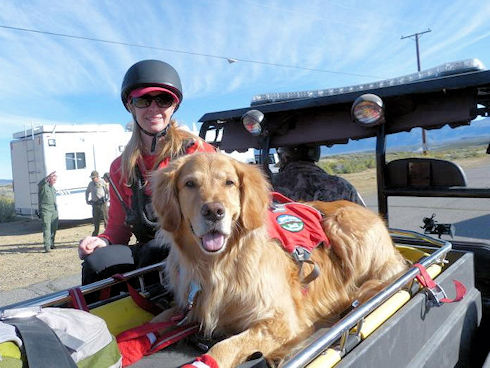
(73, 151)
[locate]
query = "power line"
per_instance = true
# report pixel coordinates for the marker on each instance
(227, 58)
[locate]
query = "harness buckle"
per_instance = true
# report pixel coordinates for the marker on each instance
(435, 295)
(194, 288)
(300, 254)
(277, 207)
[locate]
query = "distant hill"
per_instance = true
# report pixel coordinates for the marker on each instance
(4, 182)
(477, 133)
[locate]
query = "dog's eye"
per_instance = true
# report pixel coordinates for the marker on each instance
(230, 182)
(190, 184)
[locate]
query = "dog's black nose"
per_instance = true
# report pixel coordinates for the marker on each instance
(213, 211)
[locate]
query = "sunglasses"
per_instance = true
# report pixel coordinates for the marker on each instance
(163, 100)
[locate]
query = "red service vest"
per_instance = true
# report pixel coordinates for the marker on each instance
(296, 225)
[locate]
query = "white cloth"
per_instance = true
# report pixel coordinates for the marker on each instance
(7, 333)
(82, 332)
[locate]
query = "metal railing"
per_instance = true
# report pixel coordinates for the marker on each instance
(314, 349)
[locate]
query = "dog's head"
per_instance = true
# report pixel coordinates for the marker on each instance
(212, 196)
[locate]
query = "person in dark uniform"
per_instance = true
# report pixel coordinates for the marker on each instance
(98, 193)
(151, 91)
(300, 179)
(47, 210)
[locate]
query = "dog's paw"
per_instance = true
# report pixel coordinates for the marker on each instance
(204, 361)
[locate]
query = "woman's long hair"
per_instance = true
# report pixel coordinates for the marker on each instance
(172, 145)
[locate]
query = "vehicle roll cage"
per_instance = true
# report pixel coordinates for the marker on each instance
(453, 100)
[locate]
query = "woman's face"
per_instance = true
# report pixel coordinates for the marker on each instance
(153, 118)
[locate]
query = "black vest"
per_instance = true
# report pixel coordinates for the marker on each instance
(141, 217)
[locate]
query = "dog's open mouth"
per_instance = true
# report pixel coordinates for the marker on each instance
(213, 241)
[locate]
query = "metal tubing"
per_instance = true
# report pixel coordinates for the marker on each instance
(306, 355)
(380, 172)
(450, 192)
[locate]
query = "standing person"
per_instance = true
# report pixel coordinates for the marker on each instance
(98, 193)
(106, 181)
(300, 179)
(151, 91)
(106, 178)
(47, 209)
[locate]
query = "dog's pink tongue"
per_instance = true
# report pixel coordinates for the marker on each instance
(213, 241)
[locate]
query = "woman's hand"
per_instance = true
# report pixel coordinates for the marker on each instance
(88, 244)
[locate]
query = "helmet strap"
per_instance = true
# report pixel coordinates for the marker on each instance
(156, 136)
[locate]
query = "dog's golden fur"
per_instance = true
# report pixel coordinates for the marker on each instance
(213, 208)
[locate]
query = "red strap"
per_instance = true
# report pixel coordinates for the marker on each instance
(135, 343)
(172, 337)
(142, 302)
(77, 299)
(142, 330)
(205, 360)
(105, 293)
(133, 350)
(426, 281)
(278, 197)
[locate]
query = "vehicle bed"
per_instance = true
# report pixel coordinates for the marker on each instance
(426, 336)
(411, 333)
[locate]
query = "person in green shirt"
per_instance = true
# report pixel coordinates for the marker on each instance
(98, 193)
(48, 211)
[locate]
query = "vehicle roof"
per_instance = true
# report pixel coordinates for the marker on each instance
(430, 104)
(68, 128)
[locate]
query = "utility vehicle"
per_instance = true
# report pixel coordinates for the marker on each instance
(401, 326)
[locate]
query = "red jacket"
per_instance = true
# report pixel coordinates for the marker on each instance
(117, 232)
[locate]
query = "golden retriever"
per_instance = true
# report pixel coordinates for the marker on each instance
(213, 208)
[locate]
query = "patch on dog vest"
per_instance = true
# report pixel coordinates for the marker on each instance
(296, 225)
(290, 223)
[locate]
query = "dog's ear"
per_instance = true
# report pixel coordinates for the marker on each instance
(165, 197)
(254, 195)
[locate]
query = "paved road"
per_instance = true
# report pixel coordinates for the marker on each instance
(471, 218)
(39, 289)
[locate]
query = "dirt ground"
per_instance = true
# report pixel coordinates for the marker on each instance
(23, 262)
(22, 258)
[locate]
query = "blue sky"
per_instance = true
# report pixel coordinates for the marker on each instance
(46, 79)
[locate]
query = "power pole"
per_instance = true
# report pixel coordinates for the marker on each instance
(417, 36)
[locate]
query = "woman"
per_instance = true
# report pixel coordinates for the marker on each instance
(151, 91)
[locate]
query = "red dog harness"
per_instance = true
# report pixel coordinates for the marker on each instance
(298, 228)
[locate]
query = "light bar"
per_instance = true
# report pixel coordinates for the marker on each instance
(452, 68)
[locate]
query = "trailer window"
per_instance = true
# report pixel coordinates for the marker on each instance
(75, 160)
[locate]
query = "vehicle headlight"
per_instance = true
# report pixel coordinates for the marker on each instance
(368, 110)
(252, 121)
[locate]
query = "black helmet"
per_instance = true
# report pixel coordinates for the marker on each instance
(299, 153)
(148, 73)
